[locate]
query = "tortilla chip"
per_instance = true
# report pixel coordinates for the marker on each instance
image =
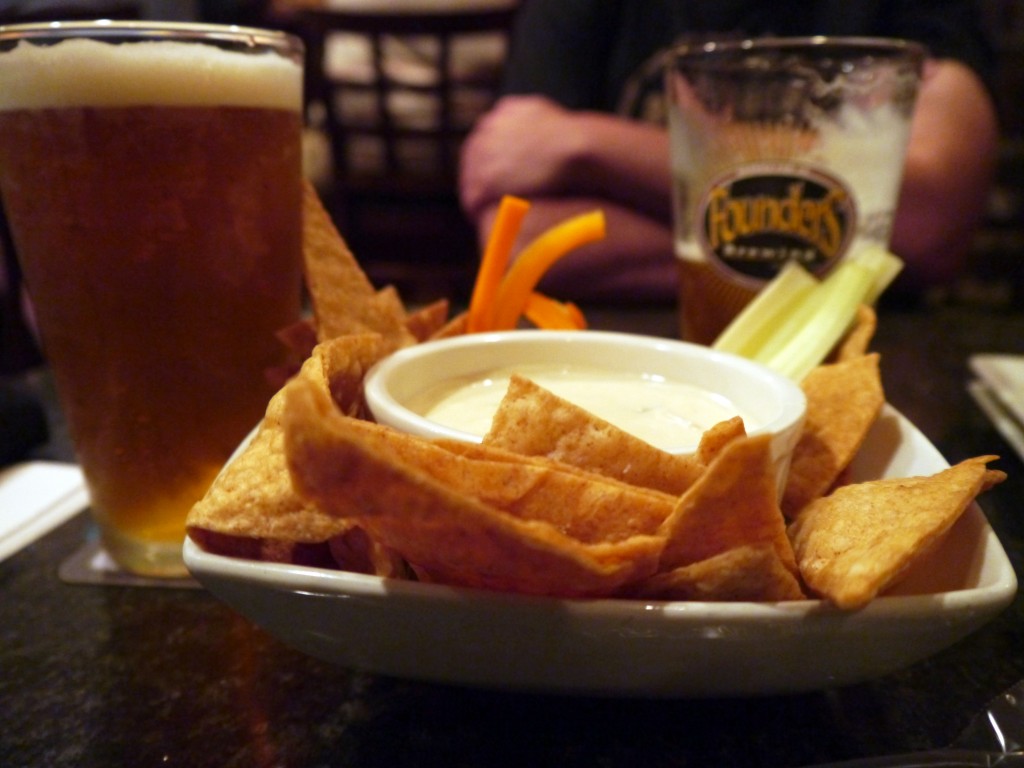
(428, 320)
(254, 498)
(316, 554)
(457, 326)
(393, 318)
(355, 550)
(859, 541)
(333, 277)
(533, 421)
(473, 523)
(299, 337)
(857, 341)
(843, 402)
(582, 504)
(343, 298)
(381, 313)
(252, 509)
(714, 440)
(663, 501)
(733, 504)
(746, 573)
(483, 452)
(345, 361)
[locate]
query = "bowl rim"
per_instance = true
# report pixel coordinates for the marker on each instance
(385, 407)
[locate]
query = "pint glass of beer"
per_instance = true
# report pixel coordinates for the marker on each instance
(782, 149)
(151, 177)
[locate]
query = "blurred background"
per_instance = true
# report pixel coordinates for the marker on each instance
(391, 95)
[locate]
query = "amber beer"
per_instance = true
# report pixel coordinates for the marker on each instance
(783, 150)
(158, 226)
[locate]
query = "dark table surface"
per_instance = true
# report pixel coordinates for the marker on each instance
(120, 675)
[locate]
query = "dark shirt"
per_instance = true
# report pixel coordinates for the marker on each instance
(604, 54)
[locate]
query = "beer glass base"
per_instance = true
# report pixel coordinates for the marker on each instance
(158, 559)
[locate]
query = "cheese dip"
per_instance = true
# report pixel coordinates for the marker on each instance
(668, 414)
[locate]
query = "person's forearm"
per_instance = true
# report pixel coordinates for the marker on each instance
(947, 174)
(532, 147)
(624, 161)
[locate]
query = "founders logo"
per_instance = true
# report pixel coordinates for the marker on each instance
(756, 218)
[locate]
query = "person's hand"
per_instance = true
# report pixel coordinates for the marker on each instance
(947, 177)
(533, 147)
(524, 146)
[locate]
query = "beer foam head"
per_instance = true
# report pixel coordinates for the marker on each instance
(81, 72)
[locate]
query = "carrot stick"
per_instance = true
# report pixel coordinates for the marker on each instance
(495, 260)
(536, 259)
(551, 315)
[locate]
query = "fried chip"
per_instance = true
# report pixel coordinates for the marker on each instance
(715, 439)
(299, 337)
(355, 550)
(332, 274)
(252, 509)
(457, 326)
(343, 298)
(583, 504)
(496, 525)
(392, 313)
(427, 321)
(534, 421)
(381, 313)
(253, 497)
(857, 542)
(345, 361)
(843, 402)
(733, 504)
(479, 452)
(316, 554)
(857, 341)
(746, 573)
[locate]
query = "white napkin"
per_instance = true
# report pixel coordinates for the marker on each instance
(36, 497)
(999, 392)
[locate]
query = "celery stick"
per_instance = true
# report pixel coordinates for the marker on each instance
(748, 330)
(795, 321)
(884, 265)
(797, 317)
(835, 306)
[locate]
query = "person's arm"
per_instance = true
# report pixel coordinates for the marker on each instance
(947, 175)
(565, 163)
(532, 147)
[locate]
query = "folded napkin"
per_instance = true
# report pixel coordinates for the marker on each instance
(36, 497)
(999, 392)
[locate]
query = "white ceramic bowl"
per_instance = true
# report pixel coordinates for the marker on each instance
(775, 404)
(633, 647)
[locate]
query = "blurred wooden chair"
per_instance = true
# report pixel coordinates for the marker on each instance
(396, 93)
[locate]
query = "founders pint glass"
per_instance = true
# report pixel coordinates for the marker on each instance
(782, 149)
(151, 176)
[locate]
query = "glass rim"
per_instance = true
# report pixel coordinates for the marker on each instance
(100, 29)
(892, 47)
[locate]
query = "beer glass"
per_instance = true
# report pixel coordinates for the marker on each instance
(151, 176)
(782, 149)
